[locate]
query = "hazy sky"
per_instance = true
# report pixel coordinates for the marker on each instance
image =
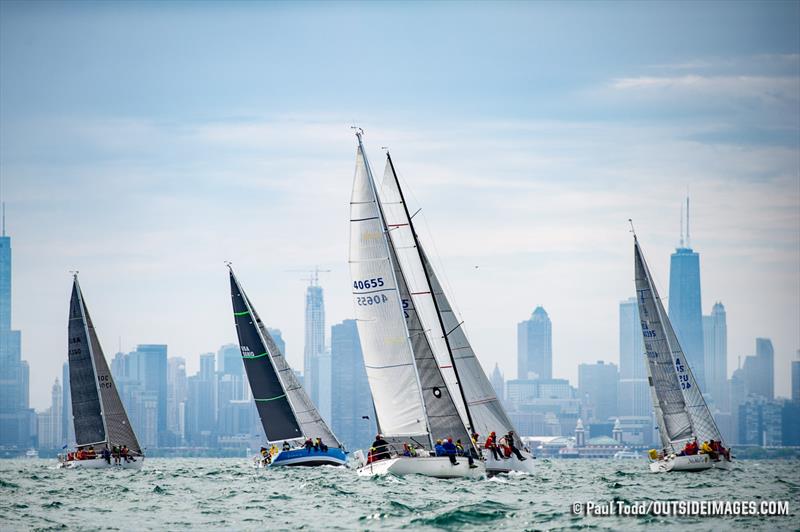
(146, 143)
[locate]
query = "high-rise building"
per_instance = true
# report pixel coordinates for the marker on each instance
(315, 339)
(634, 393)
(200, 410)
(685, 305)
(796, 378)
(498, 383)
(351, 396)
(760, 422)
(277, 337)
(759, 370)
(535, 347)
(715, 338)
(229, 358)
(152, 373)
(597, 388)
(177, 394)
(50, 421)
(141, 379)
(16, 418)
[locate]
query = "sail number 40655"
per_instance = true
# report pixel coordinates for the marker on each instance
(368, 283)
(377, 299)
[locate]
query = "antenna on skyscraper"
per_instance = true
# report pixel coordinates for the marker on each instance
(688, 239)
(681, 224)
(313, 280)
(4, 218)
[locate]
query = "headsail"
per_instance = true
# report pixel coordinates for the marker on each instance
(388, 355)
(98, 413)
(680, 408)
(276, 413)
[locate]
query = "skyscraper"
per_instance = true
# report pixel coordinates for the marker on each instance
(315, 339)
(685, 306)
(201, 404)
(759, 370)
(152, 372)
(50, 421)
(634, 392)
(277, 337)
(352, 399)
(67, 428)
(535, 347)
(796, 378)
(597, 388)
(229, 358)
(715, 337)
(177, 393)
(16, 417)
(498, 383)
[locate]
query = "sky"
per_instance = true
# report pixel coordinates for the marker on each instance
(146, 143)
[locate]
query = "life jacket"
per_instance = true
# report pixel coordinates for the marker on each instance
(489, 442)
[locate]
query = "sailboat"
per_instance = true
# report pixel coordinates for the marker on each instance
(681, 412)
(101, 424)
(469, 386)
(414, 406)
(287, 414)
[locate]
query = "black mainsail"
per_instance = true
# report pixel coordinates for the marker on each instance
(277, 415)
(98, 413)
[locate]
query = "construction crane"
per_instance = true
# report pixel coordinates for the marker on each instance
(313, 279)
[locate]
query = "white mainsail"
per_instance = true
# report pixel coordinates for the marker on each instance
(387, 352)
(681, 411)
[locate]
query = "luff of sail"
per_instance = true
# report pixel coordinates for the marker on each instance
(308, 417)
(388, 356)
(98, 413)
(670, 376)
(272, 403)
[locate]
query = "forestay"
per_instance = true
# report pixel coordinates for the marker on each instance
(97, 408)
(381, 324)
(272, 403)
(665, 360)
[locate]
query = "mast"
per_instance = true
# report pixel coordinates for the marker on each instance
(445, 333)
(91, 356)
(385, 230)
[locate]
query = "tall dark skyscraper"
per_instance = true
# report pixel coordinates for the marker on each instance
(685, 305)
(715, 338)
(796, 378)
(351, 395)
(15, 415)
(153, 375)
(634, 392)
(535, 347)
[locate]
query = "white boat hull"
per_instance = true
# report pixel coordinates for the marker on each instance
(430, 466)
(99, 463)
(697, 462)
(507, 465)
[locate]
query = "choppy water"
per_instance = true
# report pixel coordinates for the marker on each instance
(174, 494)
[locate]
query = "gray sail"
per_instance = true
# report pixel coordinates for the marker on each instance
(485, 408)
(274, 409)
(444, 420)
(668, 372)
(113, 426)
(308, 417)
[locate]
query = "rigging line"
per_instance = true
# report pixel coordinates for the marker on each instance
(453, 329)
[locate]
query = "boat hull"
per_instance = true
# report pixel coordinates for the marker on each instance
(507, 465)
(99, 463)
(430, 466)
(302, 457)
(697, 462)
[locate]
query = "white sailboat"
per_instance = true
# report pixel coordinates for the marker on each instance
(287, 414)
(101, 424)
(469, 386)
(413, 404)
(681, 411)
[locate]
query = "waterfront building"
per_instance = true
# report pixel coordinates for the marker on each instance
(597, 388)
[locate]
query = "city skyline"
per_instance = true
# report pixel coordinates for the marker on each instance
(142, 178)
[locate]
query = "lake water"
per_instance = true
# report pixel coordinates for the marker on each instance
(205, 493)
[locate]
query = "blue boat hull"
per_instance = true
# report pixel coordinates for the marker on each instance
(303, 457)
